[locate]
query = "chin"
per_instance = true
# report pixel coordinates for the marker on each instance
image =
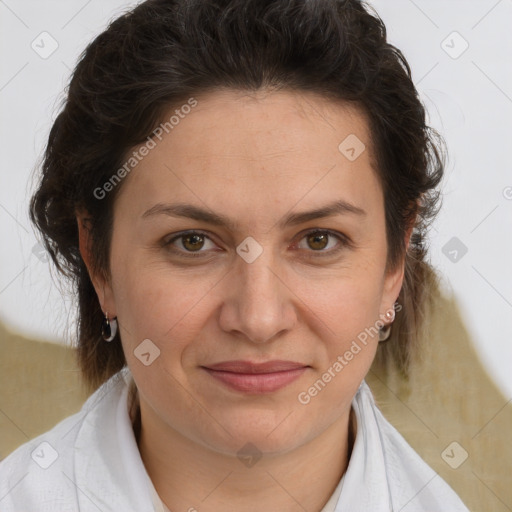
(266, 434)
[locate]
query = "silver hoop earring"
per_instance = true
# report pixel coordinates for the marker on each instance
(109, 328)
(385, 331)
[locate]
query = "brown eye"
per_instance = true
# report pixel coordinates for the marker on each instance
(324, 242)
(193, 242)
(318, 241)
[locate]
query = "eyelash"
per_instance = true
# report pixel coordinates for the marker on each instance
(345, 242)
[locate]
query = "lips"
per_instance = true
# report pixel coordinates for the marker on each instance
(256, 378)
(249, 367)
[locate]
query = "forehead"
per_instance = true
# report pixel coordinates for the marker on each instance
(268, 149)
(267, 124)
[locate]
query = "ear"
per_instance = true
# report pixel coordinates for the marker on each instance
(394, 279)
(101, 285)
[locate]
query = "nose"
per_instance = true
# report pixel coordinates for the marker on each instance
(259, 304)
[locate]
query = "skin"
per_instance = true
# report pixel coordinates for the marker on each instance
(254, 158)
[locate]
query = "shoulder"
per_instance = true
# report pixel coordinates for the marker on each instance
(414, 486)
(39, 474)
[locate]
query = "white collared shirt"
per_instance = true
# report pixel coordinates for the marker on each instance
(90, 462)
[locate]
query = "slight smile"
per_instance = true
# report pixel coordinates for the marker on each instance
(256, 378)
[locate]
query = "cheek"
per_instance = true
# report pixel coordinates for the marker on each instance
(347, 307)
(347, 310)
(347, 301)
(166, 307)
(153, 309)
(351, 319)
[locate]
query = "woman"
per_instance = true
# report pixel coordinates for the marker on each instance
(238, 190)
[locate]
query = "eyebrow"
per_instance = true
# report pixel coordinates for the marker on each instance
(193, 212)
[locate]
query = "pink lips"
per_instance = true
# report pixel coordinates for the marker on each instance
(256, 377)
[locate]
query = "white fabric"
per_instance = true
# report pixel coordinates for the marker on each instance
(98, 465)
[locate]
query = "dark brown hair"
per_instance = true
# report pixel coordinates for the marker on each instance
(162, 53)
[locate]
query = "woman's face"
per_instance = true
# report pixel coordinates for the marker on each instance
(253, 284)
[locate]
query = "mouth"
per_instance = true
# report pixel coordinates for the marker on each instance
(256, 378)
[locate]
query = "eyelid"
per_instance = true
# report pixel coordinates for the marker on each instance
(345, 241)
(167, 243)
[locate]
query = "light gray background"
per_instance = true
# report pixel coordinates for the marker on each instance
(468, 95)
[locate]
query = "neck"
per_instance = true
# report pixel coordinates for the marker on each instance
(188, 476)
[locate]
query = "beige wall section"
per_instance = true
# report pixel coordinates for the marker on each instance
(449, 398)
(39, 386)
